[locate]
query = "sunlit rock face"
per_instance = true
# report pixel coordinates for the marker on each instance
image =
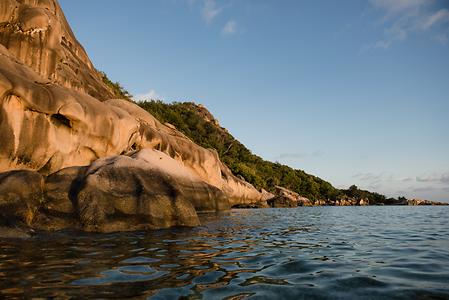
(55, 113)
(49, 127)
(37, 34)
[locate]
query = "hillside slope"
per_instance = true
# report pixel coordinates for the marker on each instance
(197, 123)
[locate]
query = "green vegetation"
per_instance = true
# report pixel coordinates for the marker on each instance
(260, 173)
(118, 90)
(188, 118)
(373, 198)
(356, 193)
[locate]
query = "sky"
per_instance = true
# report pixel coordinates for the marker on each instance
(355, 92)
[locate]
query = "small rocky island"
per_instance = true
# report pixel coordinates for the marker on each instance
(74, 155)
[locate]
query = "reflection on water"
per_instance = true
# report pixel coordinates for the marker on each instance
(308, 252)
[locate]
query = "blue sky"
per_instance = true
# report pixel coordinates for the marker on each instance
(356, 92)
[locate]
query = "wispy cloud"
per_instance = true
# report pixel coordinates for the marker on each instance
(385, 176)
(369, 176)
(433, 186)
(374, 181)
(299, 155)
(441, 16)
(150, 95)
(438, 178)
(394, 7)
(210, 10)
(424, 189)
(230, 27)
(401, 18)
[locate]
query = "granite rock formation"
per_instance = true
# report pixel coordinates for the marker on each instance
(287, 198)
(144, 189)
(414, 202)
(57, 118)
(37, 34)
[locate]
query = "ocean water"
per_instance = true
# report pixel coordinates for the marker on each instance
(390, 252)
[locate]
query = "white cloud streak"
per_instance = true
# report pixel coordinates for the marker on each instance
(150, 95)
(299, 155)
(438, 178)
(433, 186)
(441, 16)
(230, 27)
(210, 10)
(401, 18)
(394, 7)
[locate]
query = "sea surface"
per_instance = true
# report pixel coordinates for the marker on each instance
(390, 252)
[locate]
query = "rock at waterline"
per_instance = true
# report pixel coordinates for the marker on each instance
(146, 189)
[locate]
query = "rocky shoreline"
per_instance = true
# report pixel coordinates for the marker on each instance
(284, 198)
(124, 193)
(72, 156)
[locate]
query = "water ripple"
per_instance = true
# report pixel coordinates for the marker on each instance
(303, 253)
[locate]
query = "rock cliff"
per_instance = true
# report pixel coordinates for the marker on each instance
(58, 120)
(37, 34)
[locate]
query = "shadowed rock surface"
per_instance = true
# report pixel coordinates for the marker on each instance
(287, 198)
(21, 194)
(145, 189)
(60, 190)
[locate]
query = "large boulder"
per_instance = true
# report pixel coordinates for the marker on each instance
(21, 194)
(287, 198)
(364, 202)
(60, 190)
(60, 207)
(145, 190)
(282, 202)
